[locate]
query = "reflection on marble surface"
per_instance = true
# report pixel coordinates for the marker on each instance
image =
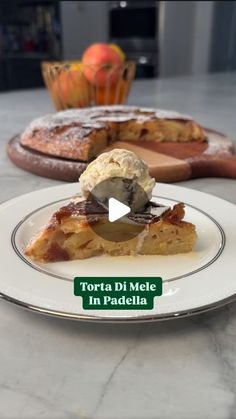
(180, 369)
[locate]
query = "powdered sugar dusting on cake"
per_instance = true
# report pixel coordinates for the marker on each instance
(122, 113)
(96, 117)
(64, 118)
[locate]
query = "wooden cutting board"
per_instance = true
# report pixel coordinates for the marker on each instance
(168, 162)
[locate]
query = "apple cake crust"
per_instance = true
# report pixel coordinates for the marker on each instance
(81, 134)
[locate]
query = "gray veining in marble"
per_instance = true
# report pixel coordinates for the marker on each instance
(181, 369)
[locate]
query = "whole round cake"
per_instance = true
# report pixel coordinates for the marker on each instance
(82, 134)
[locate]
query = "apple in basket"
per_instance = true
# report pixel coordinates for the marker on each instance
(102, 64)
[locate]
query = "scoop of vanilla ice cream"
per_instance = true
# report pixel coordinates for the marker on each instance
(112, 167)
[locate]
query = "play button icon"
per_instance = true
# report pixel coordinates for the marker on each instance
(107, 205)
(116, 210)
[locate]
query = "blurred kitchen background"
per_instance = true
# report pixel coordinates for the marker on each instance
(165, 38)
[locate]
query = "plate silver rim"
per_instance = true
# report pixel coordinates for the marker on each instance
(147, 318)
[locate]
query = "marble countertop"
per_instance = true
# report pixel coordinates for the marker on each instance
(180, 369)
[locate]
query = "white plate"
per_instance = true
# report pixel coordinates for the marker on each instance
(193, 282)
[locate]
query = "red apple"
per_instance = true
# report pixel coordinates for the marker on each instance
(101, 64)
